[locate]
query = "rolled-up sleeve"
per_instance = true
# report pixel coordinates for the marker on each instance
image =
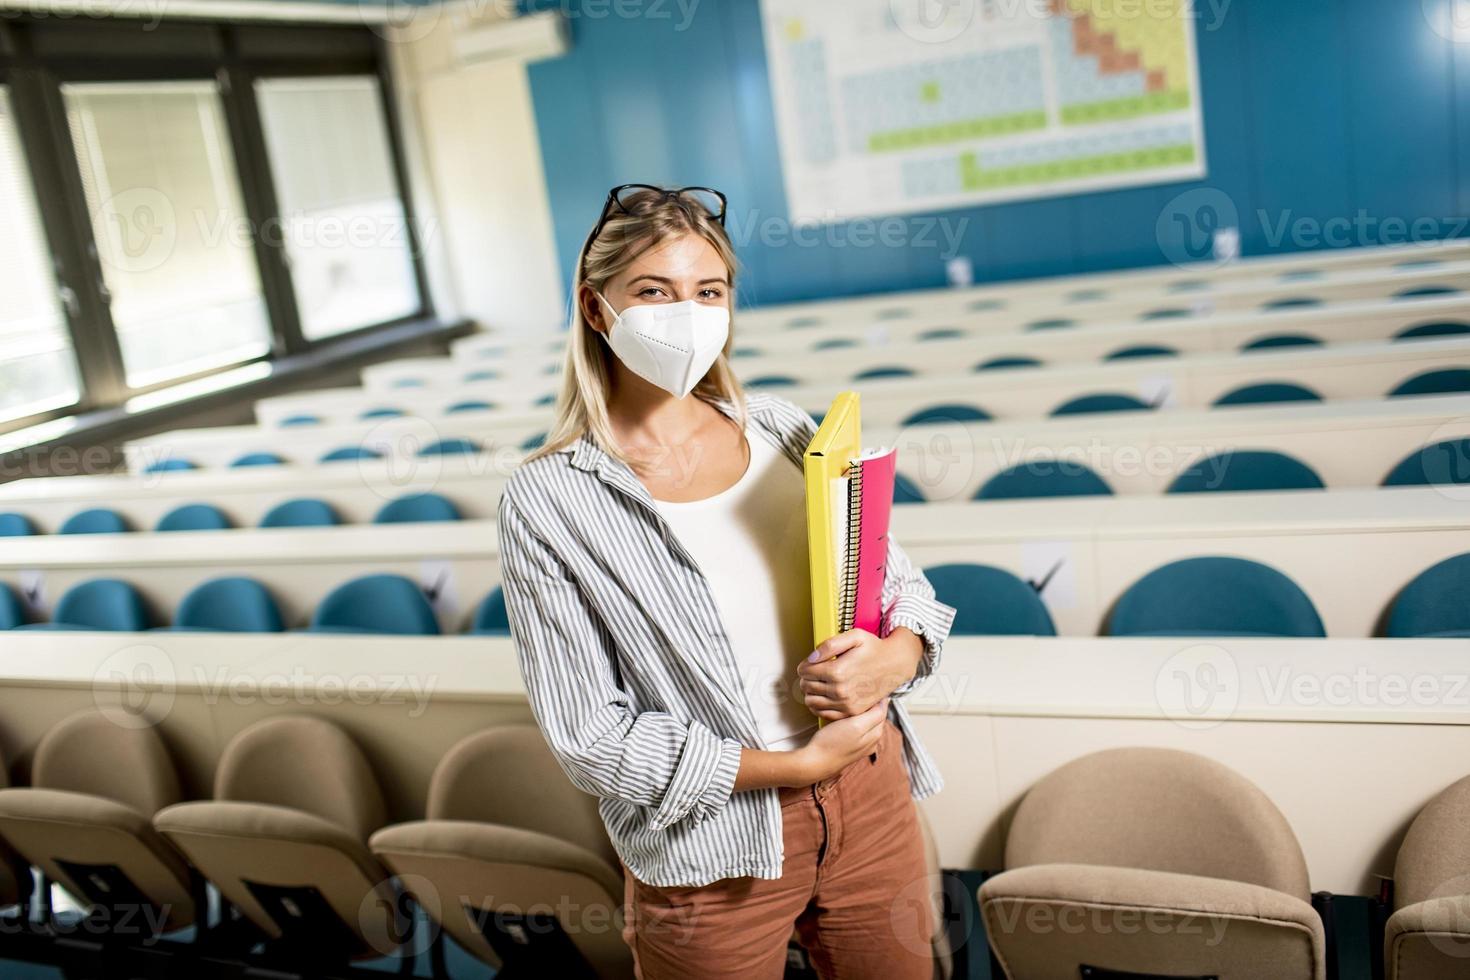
(908, 601)
(680, 769)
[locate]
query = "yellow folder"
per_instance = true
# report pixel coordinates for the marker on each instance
(837, 442)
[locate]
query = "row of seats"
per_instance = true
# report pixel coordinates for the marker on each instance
(441, 447)
(1269, 341)
(1447, 381)
(1438, 381)
(299, 512)
(295, 841)
(1442, 464)
(1402, 285)
(379, 603)
(1206, 595)
(1218, 871)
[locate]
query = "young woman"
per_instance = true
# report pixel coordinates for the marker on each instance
(655, 573)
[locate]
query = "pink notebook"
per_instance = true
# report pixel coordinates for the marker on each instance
(869, 506)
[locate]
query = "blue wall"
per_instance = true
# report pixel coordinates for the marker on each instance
(1314, 109)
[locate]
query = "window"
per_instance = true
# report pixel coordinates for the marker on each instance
(345, 229)
(38, 370)
(172, 235)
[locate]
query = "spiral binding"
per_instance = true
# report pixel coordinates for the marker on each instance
(847, 605)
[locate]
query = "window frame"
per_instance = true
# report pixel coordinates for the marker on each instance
(233, 57)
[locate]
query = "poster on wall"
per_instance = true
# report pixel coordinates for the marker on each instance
(896, 106)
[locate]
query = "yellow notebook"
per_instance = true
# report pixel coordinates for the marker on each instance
(837, 442)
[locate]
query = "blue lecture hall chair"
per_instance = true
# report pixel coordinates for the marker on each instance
(941, 333)
(301, 512)
(12, 611)
(1101, 402)
(1443, 381)
(1279, 340)
(1425, 292)
(95, 520)
(1141, 350)
(1246, 470)
(990, 601)
(230, 603)
(470, 405)
(833, 343)
(259, 459)
(380, 603)
(1443, 328)
(417, 507)
(1291, 303)
(300, 420)
(380, 413)
(1441, 464)
(947, 413)
(16, 526)
(1059, 323)
(1267, 393)
(98, 604)
(449, 447)
(170, 465)
(1043, 478)
(771, 381)
(1435, 603)
(1008, 361)
(1215, 596)
(194, 517)
(1167, 313)
(534, 442)
(887, 371)
(491, 618)
(343, 453)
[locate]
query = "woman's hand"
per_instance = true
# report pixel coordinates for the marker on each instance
(839, 743)
(849, 673)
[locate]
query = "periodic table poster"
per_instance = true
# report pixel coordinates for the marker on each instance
(896, 106)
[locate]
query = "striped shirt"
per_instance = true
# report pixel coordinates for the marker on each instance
(630, 672)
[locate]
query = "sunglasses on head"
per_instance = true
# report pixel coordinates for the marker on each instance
(633, 198)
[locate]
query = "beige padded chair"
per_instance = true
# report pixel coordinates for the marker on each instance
(86, 821)
(943, 955)
(284, 839)
(1428, 936)
(15, 873)
(1152, 862)
(508, 836)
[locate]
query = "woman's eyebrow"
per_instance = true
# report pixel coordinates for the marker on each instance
(665, 281)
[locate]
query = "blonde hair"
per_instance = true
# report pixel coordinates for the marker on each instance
(650, 219)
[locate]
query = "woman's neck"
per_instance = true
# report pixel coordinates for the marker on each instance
(644, 415)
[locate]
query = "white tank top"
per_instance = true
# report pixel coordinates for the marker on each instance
(749, 540)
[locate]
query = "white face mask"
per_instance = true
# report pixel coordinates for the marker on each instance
(671, 345)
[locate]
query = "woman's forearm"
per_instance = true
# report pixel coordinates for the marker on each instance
(761, 769)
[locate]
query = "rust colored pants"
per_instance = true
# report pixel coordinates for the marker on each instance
(853, 885)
